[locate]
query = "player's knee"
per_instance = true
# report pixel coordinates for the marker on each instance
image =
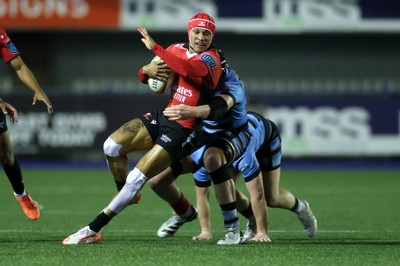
(213, 159)
(135, 180)
(111, 148)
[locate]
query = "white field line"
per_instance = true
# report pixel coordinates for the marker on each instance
(182, 230)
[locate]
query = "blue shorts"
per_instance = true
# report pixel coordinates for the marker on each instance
(262, 153)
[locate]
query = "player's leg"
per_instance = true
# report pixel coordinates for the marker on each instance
(164, 184)
(244, 207)
(224, 187)
(165, 187)
(278, 197)
(153, 162)
(13, 171)
(132, 136)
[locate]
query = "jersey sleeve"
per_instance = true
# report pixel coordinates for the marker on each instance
(212, 60)
(143, 77)
(7, 49)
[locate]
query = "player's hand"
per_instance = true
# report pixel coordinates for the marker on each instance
(261, 237)
(158, 70)
(41, 96)
(147, 39)
(9, 110)
(205, 235)
(180, 112)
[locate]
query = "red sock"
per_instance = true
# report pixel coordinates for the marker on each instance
(182, 206)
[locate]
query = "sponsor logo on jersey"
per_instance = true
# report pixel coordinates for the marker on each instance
(180, 93)
(12, 48)
(165, 138)
(186, 92)
(154, 122)
(208, 59)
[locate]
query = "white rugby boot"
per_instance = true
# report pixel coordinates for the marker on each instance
(83, 236)
(251, 230)
(308, 220)
(233, 236)
(171, 226)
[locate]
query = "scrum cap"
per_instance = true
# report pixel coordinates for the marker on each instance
(202, 20)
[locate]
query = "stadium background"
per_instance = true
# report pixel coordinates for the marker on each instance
(326, 71)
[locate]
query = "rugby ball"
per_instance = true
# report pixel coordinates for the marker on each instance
(159, 86)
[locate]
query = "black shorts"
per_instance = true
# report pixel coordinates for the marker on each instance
(3, 123)
(176, 139)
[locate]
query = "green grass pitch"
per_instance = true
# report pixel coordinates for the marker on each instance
(357, 210)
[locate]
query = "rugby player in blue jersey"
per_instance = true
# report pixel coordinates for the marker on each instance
(268, 161)
(225, 132)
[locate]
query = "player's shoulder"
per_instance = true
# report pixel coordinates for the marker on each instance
(210, 57)
(212, 52)
(2, 31)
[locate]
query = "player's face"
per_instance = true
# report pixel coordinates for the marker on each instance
(200, 39)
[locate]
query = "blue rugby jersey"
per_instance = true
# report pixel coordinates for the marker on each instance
(230, 84)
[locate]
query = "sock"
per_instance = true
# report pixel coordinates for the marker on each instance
(248, 212)
(99, 222)
(231, 219)
(298, 207)
(182, 207)
(15, 176)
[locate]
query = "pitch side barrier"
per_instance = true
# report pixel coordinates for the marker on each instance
(311, 126)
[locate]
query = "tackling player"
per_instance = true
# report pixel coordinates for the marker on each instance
(229, 112)
(10, 54)
(260, 161)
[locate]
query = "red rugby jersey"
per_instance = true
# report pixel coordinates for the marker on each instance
(197, 75)
(7, 49)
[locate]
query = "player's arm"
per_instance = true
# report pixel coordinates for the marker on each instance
(214, 110)
(28, 78)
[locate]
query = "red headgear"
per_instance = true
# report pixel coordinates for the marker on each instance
(202, 20)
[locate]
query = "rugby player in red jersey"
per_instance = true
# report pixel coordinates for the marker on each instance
(197, 70)
(10, 55)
